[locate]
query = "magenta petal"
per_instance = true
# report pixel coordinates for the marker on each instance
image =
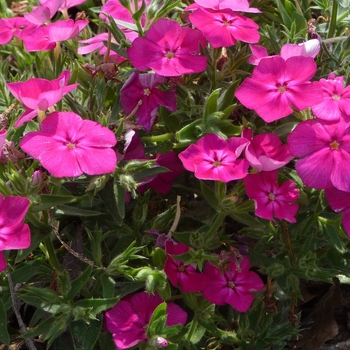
(315, 170)
(175, 315)
(345, 220)
(2, 262)
(340, 171)
(338, 200)
(67, 145)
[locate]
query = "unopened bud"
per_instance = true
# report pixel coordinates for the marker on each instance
(158, 342)
(37, 178)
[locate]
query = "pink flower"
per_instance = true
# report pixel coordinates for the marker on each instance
(133, 147)
(45, 38)
(336, 99)
(67, 4)
(265, 152)
(14, 233)
(67, 145)
(213, 158)
(234, 5)
(339, 201)
(309, 48)
(15, 26)
(97, 43)
(169, 49)
(276, 85)
(162, 183)
(140, 91)
(180, 274)
(222, 28)
(128, 320)
(42, 14)
(272, 200)
(324, 149)
(232, 285)
(39, 94)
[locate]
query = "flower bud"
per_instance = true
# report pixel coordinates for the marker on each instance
(37, 178)
(158, 342)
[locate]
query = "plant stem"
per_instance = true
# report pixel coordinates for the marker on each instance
(192, 329)
(333, 23)
(214, 227)
(51, 253)
(158, 138)
(16, 307)
(343, 15)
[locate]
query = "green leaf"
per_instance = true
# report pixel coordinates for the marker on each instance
(120, 193)
(43, 328)
(74, 211)
(144, 173)
(209, 195)
(4, 334)
(78, 284)
(211, 105)
(85, 335)
(97, 305)
(109, 200)
(47, 201)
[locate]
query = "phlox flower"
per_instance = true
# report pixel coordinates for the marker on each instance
(46, 37)
(232, 285)
(133, 147)
(15, 26)
(14, 233)
(324, 149)
(67, 145)
(169, 49)
(272, 200)
(97, 43)
(309, 48)
(336, 99)
(222, 28)
(141, 91)
(265, 152)
(234, 5)
(117, 11)
(39, 94)
(276, 85)
(42, 14)
(339, 201)
(162, 183)
(67, 4)
(180, 274)
(128, 320)
(213, 158)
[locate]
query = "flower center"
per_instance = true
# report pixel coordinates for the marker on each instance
(282, 89)
(334, 145)
(182, 268)
(231, 284)
(169, 55)
(336, 97)
(70, 145)
(271, 196)
(147, 91)
(217, 163)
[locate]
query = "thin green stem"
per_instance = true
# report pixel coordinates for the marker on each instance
(333, 23)
(158, 138)
(214, 227)
(343, 15)
(51, 253)
(192, 329)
